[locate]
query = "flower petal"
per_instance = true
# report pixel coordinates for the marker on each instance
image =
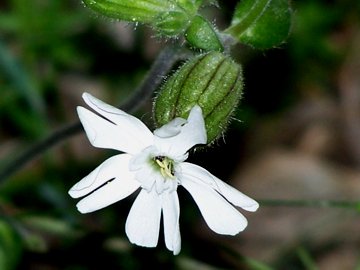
(231, 194)
(171, 213)
(142, 158)
(118, 130)
(143, 223)
(146, 176)
(116, 166)
(219, 215)
(191, 133)
(171, 129)
(110, 193)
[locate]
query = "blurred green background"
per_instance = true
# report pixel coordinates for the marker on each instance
(298, 138)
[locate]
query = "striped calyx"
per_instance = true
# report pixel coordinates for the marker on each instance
(168, 17)
(213, 81)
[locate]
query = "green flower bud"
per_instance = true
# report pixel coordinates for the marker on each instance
(172, 23)
(169, 17)
(191, 6)
(201, 34)
(213, 81)
(144, 11)
(177, 20)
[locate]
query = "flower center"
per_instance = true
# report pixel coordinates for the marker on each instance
(166, 166)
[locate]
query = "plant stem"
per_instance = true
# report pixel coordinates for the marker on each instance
(161, 66)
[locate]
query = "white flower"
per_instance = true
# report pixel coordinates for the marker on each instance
(154, 162)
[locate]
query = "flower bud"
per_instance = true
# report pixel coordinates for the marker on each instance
(172, 23)
(169, 17)
(177, 19)
(213, 81)
(190, 5)
(201, 34)
(144, 11)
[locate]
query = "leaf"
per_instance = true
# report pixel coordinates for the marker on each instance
(255, 264)
(10, 247)
(16, 74)
(261, 23)
(187, 263)
(306, 259)
(50, 225)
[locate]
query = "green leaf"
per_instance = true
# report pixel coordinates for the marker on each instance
(49, 225)
(306, 258)
(256, 265)
(17, 75)
(10, 246)
(261, 23)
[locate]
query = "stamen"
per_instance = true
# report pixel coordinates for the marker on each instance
(166, 166)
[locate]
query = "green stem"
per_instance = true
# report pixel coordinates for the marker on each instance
(162, 65)
(311, 203)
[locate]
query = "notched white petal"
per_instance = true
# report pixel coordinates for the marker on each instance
(131, 134)
(196, 124)
(117, 116)
(219, 214)
(193, 132)
(170, 129)
(230, 193)
(100, 106)
(171, 214)
(143, 223)
(86, 118)
(102, 133)
(108, 194)
(112, 181)
(109, 169)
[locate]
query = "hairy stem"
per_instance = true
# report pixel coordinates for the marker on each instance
(161, 66)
